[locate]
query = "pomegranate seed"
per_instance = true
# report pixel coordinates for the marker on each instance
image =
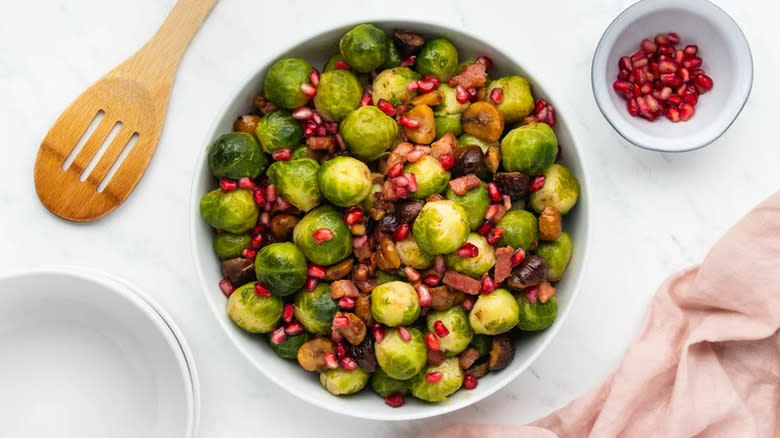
(401, 192)
(261, 290)
(689, 98)
(396, 170)
(309, 131)
(623, 87)
(432, 79)
(485, 228)
(425, 86)
(246, 183)
(703, 81)
(624, 75)
(366, 99)
(415, 155)
(469, 381)
(691, 63)
(537, 183)
(467, 251)
(340, 142)
(646, 88)
(408, 62)
(674, 100)
(282, 154)
(639, 63)
(497, 95)
(270, 193)
(341, 65)
(258, 197)
(386, 107)
(673, 114)
(322, 235)
(411, 181)
(461, 94)
(332, 127)
(691, 50)
(348, 363)
(395, 400)
(661, 39)
(322, 131)
(532, 293)
(633, 108)
(440, 329)
(495, 235)
(308, 90)
(400, 181)
(518, 256)
(265, 218)
(447, 161)
(353, 215)
(249, 253)
(409, 122)
(287, 312)
(378, 332)
(283, 205)
(467, 304)
(432, 342)
(257, 241)
(315, 271)
(686, 112)
(488, 285)
(228, 185)
(341, 350)
(311, 283)
(667, 67)
(227, 288)
(404, 334)
(401, 232)
(278, 335)
(433, 377)
(625, 64)
(411, 274)
(413, 86)
(432, 280)
(314, 77)
(673, 37)
(493, 192)
(330, 361)
(335, 336)
(439, 264)
(303, 113)
(424, 295)
(484, 60)
(294, 328)
(340, 321)
(649, 46)
(347, 303)
(679, 56)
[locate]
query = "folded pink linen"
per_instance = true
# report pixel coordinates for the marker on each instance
(706, 363)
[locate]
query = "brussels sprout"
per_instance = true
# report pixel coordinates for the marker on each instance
(557, 255)
(391, 84)
(368, 132)
(536, 316)
(371, 198)
(395, 303)
(385, 385)
(412, 255)
(337, 95)
(448, 125)
(449, 102)
(281, 267)
(296, 182)
(401, 359)
(288, 348)
(517, 101)
(561, 190)
(482, 343)
(315, 309)
(383, 277)
(439, 58)
(530, 149)
(468, 140)
(431, 177)
(344, 181)
(520, 229)
(474, 203)
(236, 155)
(279, 130)
(475, 266)
(365, 47)
(441, 227)
(234, 212)
(228, 245)
(494, 313)
(452, 378)
(252, 312)
(282, 84)
(329, 251)
(393, 57)
(343, 382)
(457, 322)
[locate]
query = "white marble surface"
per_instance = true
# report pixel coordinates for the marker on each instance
(653, 213)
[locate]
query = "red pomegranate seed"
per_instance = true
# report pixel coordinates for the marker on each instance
(467, 251)
(432, 79)
(679, 56)
(322, 235)
(303, 113)
(226, 287)
(415, 155)
(282, 154)
(287, 312)
(411, 181)
(314, 77)
(649, 46)
(673, 37)
(484, 60)
(432, 342)
(395, 400)
(623, 87)
(401, 232)
(249, 253)
(497, 95)
(633, 108)
(691, 63)
(322, 131)
(424, 295)
(332, 127)
(278, 335)
(340, 321)
(469, 382)
(311, 283)
(366, 99)
(283, 205)
(495, 235)
(409, 122)
(625, 64)
(400, 181)
(667, 67)
(258, 196)
(341, 65)
(432, 280)
(532, 293)
(485, 228)
(228, 185)
(294, 328)
(341, 350)
(624, 75)
(674, 100)
(246, 183)
(404, 334)
(518, 256)
(308, 90)
(691, 50)
(257, 241)
(673, 114)
(330, 361)
(408, 62)
(315, 271)
(440, 329)
(396, 170)
(348, 363)
(340, 142)
(646, 88)
(378, 332)
(468, 304)
(689, 98)
(433, 377)
(265, 218)
(439, 264)
(335, 336)
(461, 94)
(261, 290)
(447, 161)
(347, 303)
(413, 86)
(386, 107)
(425, 86)
(487, 285)
(353, 215)
(703, 81)
(686, 112)
(411, 274)
(661, 39)
(270, 193)
(537, 183)
(493, 192)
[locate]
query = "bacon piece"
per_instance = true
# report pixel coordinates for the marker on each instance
(343, 288)
(320, 143)
(443, 146)
(503, 263)
(545, 291)
(465, 183)
(398, 155)
(461, 282)
(473, 75)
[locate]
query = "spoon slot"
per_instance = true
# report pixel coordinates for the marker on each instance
(102, 150)
(83, 140)
(115, 167)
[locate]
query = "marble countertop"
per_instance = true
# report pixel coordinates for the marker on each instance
(653, 213)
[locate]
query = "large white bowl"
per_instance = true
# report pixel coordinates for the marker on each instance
(293, 378)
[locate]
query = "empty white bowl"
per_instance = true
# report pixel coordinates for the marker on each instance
(722, 47)
(85, 356)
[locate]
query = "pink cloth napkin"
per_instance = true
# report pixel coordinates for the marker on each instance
(706, 363)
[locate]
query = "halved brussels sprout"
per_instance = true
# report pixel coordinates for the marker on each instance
(345, 181)
(451, 380)
(385, 385)
(288, 348)
(368, 132)
(520, 229)
(228, 245)
(475, 266)
(343, 382)
(252, 312)
(296, 182)
(234, 212)
(412, 255)
(494, 313)
(329, 251)
(468, 140)
(457, 322)
(395, 303)
(279, 130)
(474, 203)
(282, 84)
(365, 47)
(281, 267)
(449, 102)
(439, 58)
(441, 227)
(530, 149)
(536, 316)
(236, 155)
(315, 309)
(431, 177)
(401, 359)
(338, 94)
(391, 84)
(517, 101)
(448, 125)
(561, 190)
(557, 254)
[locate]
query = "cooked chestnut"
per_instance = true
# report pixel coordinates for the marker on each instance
(355, 332)
(363, 309)
(442, 297)
(339, 270)
(468, 357)
(246, 123)
(550, 227)
(310, 354)
(282, 226)
(408, 211)
(531, 272)
(478, 370)
(468, 159)
(407, 42)
(364, 354)
(501, 352)
(239, 270)
(514, 184)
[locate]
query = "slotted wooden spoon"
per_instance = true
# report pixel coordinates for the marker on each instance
(99, 147)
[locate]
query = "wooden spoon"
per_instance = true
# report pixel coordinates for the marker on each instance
(99, 147)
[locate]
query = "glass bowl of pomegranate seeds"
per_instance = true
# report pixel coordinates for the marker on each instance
(672, 76)
(388, 218)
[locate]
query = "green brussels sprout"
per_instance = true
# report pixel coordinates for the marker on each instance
(536, 316)
(517, 102)
(412, 255)
(457, 322)
(474, 203)
(368, 132)
(383, 277)
(365, 47)
(281, 267)
(468, 140)
(234, 212)
(345, 181)
(391, 84)
(282, 84)
(337, 95)
(296, 182)
(494, 313)
(431, 177)
(475, 266)
(236, 155)
(252, 312)
(447, 125)
(300, 152)
(229, 245)
(451, 380)
(288, 348)
(482, 343)
(439, 58)
(520, 229)
(315, 309)
(329, 251)
(449, 102)
(441, 227)
(385, 385)
(393, 57)
(530, 149)
(371, 198)
(561, 190)
(279, 130)
(557, 255)
(395, 303)
(401, 359)
(343, 382)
